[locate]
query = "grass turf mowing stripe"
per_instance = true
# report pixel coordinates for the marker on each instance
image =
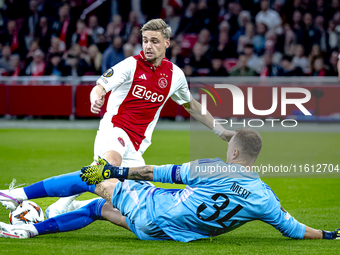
(31, 155)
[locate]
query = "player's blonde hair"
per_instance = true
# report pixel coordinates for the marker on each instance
(249, 142)
(157, 25)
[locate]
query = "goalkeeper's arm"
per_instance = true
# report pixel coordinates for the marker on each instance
(290, 227)
(96, 173)
(144, 173)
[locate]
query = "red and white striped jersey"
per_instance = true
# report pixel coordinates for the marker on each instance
(138, 94)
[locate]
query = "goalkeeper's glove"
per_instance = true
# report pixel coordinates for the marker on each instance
(331, 235)
(104, 170)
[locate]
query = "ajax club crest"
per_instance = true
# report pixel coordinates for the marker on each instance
(120, 139)
(162, 82)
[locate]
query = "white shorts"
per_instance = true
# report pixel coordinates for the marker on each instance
(116, 139)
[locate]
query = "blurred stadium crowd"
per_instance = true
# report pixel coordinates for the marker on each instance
(209, 37)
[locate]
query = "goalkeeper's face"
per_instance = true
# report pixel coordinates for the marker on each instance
(154, 46)
(232, 151)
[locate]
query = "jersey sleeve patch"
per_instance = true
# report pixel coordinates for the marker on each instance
(108, 73)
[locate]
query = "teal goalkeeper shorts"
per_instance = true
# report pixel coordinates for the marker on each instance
(129, 197)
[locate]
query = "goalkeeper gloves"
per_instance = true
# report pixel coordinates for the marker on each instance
(331, 235)
(104, 170)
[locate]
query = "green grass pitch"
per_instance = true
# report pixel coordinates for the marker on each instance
(32, 155)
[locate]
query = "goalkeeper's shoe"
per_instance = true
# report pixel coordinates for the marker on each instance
(94, 174)
(19, 232)
(8, 201)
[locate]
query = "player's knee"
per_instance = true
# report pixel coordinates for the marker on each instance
(113, 157)
(105, 189)
(95, 208)
(109, 185)
(113, 215)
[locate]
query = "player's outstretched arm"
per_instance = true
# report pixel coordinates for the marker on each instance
(144, 173)
(195, 110)
(97, 98)
(94, 174)
(312, 233)
(290, 227)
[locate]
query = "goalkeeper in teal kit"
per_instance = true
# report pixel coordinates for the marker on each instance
(219, 197)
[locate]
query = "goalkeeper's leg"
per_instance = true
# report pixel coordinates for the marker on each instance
(65, 204)
(68, 204)
(98, 209)
(72, 220)
(58, 186)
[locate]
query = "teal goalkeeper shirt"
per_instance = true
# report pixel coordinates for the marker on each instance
(218, 198)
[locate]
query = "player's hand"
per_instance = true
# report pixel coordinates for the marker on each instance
(227, 135)
(97, 103)
(94, 174)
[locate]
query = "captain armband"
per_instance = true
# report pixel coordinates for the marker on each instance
(176, 174)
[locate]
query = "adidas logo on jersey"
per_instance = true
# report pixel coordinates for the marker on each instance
(142, 77)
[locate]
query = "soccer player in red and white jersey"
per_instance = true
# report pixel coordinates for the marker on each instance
(140, 86)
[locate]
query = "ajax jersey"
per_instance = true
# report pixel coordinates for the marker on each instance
(138, 94)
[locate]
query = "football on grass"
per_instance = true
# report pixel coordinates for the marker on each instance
(27, 212)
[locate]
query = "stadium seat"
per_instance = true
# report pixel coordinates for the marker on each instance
(187, 43)
(229, 63)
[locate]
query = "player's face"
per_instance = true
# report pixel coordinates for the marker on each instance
(154, 46)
